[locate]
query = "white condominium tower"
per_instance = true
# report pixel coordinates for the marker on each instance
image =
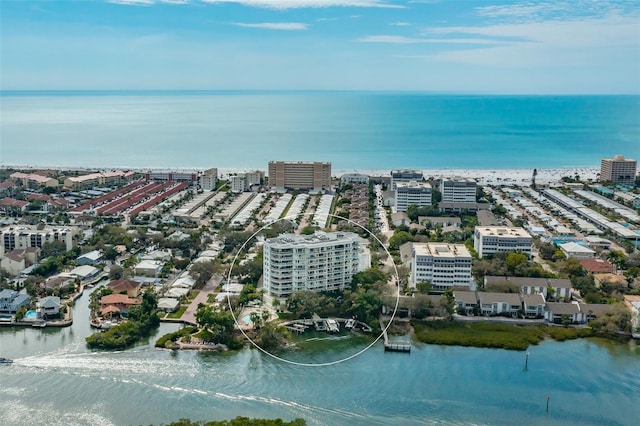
(318, 262)
(443, 265)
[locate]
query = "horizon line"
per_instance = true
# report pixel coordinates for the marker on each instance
(371, 91)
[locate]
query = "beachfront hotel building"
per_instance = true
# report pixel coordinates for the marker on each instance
(318, 262)
(443, 265)
(412, 193)
(618, 170)
(405, 176)
(488, 240)
(315, 176)
(25, 236)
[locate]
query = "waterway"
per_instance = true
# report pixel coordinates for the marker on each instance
(55, 380)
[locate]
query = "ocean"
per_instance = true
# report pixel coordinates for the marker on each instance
(55, 380)
(353, 130)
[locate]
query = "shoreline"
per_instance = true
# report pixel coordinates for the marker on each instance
(486, 176)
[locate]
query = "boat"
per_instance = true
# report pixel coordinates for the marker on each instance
(6, 361)
(350, 323)
(332, 325)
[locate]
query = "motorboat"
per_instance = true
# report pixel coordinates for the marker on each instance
(6, 361)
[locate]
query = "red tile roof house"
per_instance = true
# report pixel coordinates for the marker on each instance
(597, 266)
(12, 204)
(121, 302)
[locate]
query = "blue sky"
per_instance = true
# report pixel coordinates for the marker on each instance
(536, 47)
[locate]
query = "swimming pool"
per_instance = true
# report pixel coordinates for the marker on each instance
(247, 319)
(31, 315)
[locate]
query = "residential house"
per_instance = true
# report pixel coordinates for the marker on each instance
(57, 282)
(561, 288)
(13, 205)
(591, 311)
(13, 263)
(466, 302)
(528, 285)
(557, 312)
(11, 301)
(577, 251)
(125, 286)
(168, 304)
(533, 305)
(90, 258)
(120, 303)
(48, 307)
(149, 268)
(84, 272)
(597, 266)
(499, 303)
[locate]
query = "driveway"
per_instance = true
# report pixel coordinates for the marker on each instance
(189, 315)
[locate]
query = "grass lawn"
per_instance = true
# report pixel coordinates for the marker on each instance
(491, 335)
(178, 313)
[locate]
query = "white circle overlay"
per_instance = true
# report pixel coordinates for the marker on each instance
(320, 364)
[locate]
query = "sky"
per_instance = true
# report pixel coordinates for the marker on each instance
(490, 46)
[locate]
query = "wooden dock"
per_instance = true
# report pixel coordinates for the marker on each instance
(394, 346)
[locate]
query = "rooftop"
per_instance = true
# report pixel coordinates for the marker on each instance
(441, 250)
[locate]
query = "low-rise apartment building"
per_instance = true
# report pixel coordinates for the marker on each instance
(489, 240)
(443, 265)
(412, 193)
(24, 236)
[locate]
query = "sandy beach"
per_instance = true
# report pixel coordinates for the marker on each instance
(484, 176)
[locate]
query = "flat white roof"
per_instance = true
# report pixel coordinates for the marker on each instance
(502, 231)
(441, 250)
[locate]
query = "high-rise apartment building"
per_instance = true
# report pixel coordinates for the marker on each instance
(405, 176)
(209, 179)
(412, 193)
(314, 176)
(318, 262)
(443, 265)
(618, 170)
(458, 190)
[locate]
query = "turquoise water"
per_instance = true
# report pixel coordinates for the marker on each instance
(31, 315)
(590, 382)
(352, 130)
(247, 319)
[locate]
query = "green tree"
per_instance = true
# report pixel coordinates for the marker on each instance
(202, 271)
(516, 262)
(449, 303)
(218, 323)
(398, 239)
(424, 287)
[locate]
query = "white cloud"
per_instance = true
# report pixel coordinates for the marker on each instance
(285, 26)
(390, 39)
(132, 2)
(400, 24)
(298, 4)
(410, 40)
(586, 41)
